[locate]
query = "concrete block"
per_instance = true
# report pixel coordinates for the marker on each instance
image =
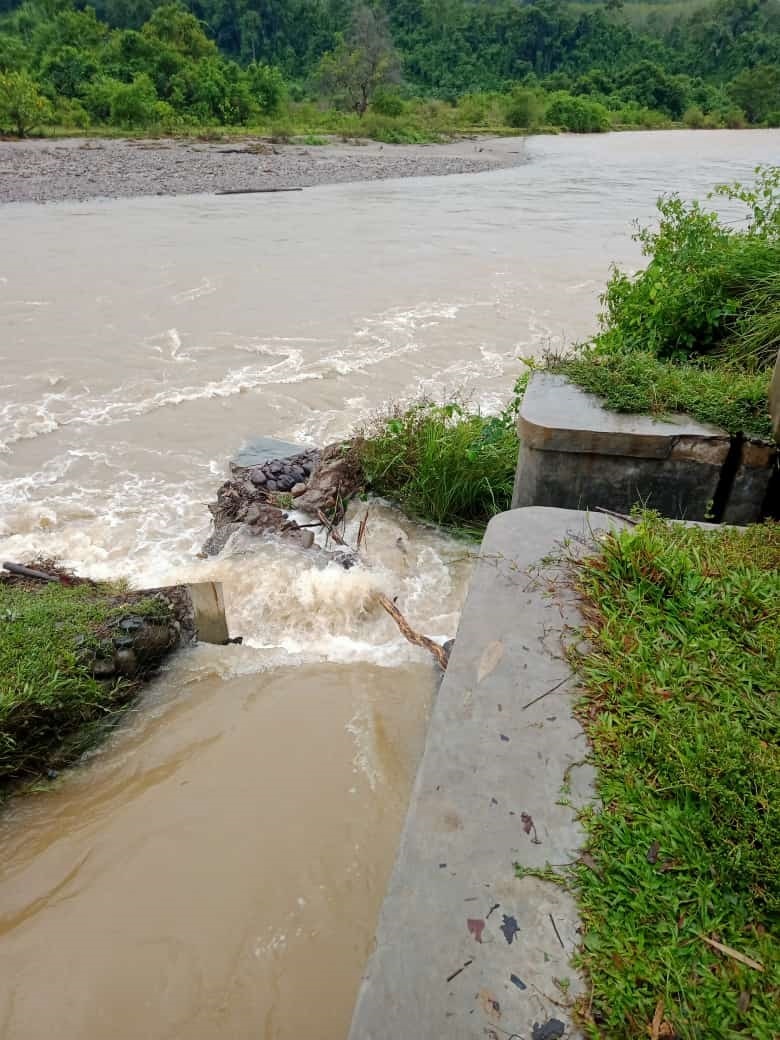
(208, 608)
(577, 455)
(774, 400)
(464, 949)
(750, 484)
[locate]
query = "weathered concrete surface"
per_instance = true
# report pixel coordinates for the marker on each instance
(577, 455)
(208, 607)
(750, 485)
(464, 949)
(774, 400)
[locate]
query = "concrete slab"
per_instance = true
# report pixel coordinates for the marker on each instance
(576, 454)
(464, 949)
(774, 400)
(556, 415)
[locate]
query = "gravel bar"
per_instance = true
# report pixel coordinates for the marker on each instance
(54, 170)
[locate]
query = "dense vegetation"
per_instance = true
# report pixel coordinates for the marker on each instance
(698, 329)
(680, 677)
(442, 463)
(398, 72)
(51, 705)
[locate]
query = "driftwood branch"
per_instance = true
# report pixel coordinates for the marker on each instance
(330, 527)
(409, 633)
(29, 572)
(252, 191)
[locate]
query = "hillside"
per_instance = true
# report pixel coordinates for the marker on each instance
(584, 66)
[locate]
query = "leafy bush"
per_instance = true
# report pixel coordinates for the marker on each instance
(22, 106)
(701, 270)
(524, 109)
(577, 114)
(442, 463)
(133, 104)
(387, 102)
(267, 87)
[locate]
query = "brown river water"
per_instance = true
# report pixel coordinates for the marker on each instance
(215, 870)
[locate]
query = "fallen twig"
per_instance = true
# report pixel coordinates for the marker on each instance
(547, 692)
(731, 952)
(330, 527)
(618, 516)
(409, 633)
(362, 531)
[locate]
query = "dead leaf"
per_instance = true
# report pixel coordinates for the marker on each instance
(658, 1017)
(744, 1002)
(729, 951)
(491, 655)
(489, 1004)
(652, 853)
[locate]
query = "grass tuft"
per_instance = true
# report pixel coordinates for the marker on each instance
(442, 463)
(49, 701)
(681, 678)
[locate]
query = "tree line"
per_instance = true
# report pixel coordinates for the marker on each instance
(402, 67)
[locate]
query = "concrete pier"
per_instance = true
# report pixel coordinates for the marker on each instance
(465, 949)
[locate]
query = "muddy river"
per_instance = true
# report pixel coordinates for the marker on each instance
(215, 870)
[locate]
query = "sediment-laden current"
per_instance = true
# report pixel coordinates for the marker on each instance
(215, 870)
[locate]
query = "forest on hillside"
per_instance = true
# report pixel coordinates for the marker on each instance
(402, 70)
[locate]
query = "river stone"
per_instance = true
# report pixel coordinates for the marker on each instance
(307, 539)
(259, 450)
(298, 489)
(257, 476)
(103, 668)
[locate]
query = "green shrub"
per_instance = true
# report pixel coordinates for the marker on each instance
(133, 104)
(577, 114)
(694, 118)
(387, 102)
(22, 106)
(442, 463)
(524, 109)
(697, 284)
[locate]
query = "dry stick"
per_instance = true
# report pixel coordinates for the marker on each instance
(618, 516)
(330, 528)
(731, 952)
(414, 637)
(362, 531)
(546, 693)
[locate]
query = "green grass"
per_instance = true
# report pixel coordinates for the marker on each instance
(637, 381)
(49, 701)
(441, 463)
(681, 677)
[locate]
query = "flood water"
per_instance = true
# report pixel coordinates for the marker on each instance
(216, 869)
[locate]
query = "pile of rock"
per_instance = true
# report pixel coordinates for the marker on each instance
(321, 483)
(281, 474)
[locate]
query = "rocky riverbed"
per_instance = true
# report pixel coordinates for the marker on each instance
(52, 170)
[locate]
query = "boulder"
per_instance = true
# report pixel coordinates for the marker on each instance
(333, 482)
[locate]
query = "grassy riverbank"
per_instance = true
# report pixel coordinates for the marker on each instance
(680, 681)
(51, 704)
(698, 329)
